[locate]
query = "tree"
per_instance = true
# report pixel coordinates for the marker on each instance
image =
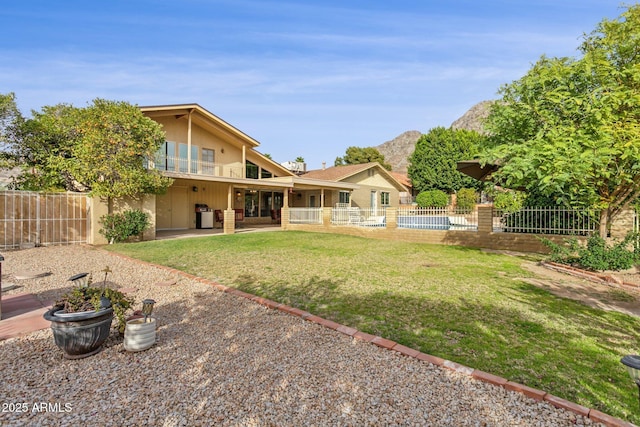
(570, 128)
(357, 156)
(299, 159)
(9, 118)
(432, 166)
(40, 144)
(102, 149)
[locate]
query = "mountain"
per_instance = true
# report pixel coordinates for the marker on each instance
(474, 118)
(397, 151)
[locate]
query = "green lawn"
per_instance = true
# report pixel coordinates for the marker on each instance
(457, 303)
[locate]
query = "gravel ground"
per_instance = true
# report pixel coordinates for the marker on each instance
(224, 360)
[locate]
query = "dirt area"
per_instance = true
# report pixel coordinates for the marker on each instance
(605, 296)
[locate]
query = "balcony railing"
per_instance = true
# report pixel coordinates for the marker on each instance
(180, 165)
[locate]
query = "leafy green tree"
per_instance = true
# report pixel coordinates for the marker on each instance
(102, 149)
(357, 156)
(41, 144)
(570, 128)
(299, 159)
(432, 166)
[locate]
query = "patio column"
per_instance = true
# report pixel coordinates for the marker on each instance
(244, 161)
(322, 197)
(229, 223)
(230, 196)
(189, 142)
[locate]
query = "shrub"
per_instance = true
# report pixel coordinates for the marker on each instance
(596, 254)
(466, 199)
(432, 199)
(118, 227)
(508, 201)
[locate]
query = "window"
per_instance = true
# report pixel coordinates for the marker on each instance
(384, 198)
(208, 159)
(182, 157)
(266, 174)
(344, 197)
(165, 156)
(194, 158)
(252, 170)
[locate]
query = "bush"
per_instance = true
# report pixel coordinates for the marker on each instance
(508, 201)
(118, 227)
(466, 199)
(596, 254)
(432, 199)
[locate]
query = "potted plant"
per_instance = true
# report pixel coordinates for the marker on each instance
(81, 319)
(140, 331)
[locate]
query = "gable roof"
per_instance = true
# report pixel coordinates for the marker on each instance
(214, 124)
(339, 173)
(402, 178)
(201, 116)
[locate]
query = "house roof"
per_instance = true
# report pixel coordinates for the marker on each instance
(402, 178)
(199, 115)
(209, 121)
(339, 173)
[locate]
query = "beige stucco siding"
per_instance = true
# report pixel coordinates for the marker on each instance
(182, 214)
(177, 131)
(371, 180)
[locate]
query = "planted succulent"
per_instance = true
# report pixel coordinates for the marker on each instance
(85, 297)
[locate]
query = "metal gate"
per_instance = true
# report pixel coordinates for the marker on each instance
(41, 219)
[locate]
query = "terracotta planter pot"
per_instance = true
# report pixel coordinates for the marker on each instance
(139, 335)
(81, 334)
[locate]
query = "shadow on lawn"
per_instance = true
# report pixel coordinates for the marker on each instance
(566, 348)
(528, 335)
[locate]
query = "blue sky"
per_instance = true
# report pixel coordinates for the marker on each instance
(304, 78)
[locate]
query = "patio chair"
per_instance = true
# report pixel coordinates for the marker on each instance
(219, 217)
(355, 217)
(276, 216)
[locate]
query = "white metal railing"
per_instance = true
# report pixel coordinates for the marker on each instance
(547, 220)
(305, 215)
(438, 219)
(180, 165)
(359, 217)
(42, 218)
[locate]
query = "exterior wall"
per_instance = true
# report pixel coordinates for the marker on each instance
(99, 207)
(376, 182)
(177, 131)
(213, 194)
(622, 224)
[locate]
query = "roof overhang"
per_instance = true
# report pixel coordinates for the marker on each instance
(203, 118)
(313, 184)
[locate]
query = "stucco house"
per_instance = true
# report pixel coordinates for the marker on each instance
(376, 187)
(217, 165)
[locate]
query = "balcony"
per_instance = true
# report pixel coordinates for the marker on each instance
(180, 165)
